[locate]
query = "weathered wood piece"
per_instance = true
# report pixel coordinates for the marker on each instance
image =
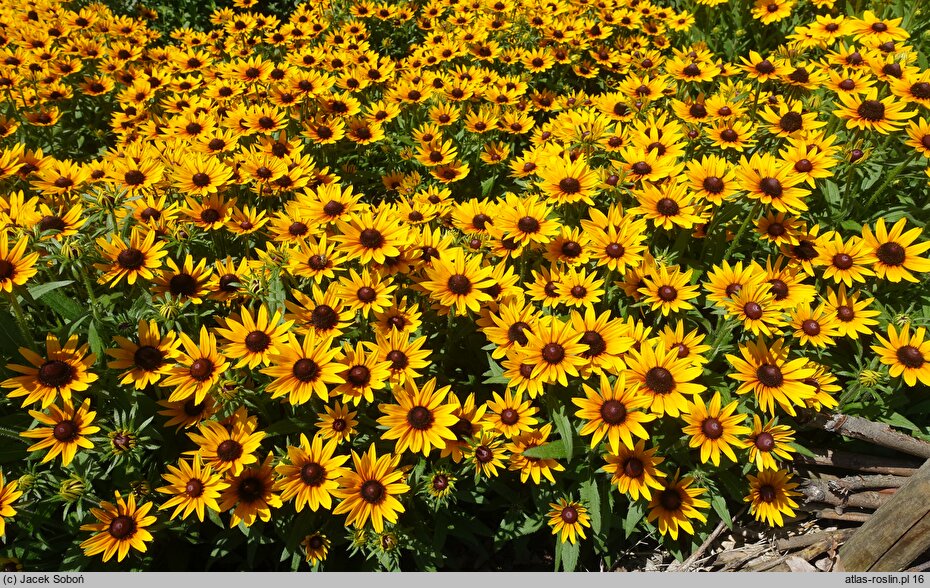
(866, 430)
(867, 464)
(897, 533)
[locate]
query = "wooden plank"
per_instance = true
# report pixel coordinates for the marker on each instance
(907, 549)
(894, 531)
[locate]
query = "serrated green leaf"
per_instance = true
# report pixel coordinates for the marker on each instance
(570, 553)
(634, 515)
(591, 497)
(63, 306)
(564, 426)
(40, 290)
(555, 450)
(720, 507)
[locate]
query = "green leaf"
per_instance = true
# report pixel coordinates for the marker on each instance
(720, 507)
(96, 343)
(10, 337)
(63, 306)
(566, 431)
(802, 450)
(592, 500)
(546, 451)
(40, 290)
(570, 552)
(634, 515)
(284, 427)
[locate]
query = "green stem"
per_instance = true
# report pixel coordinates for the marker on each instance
(742, 229)
(85, 277)
(20, 319)
(891, 177)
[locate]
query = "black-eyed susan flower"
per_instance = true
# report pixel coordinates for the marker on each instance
(456, 280)
(337, 423)
(198, 368)
(371, 237)
(633, 470)
(555, 351)
(148, 360)
(893, 254)
(772, 182)
(140, 258)
(843, 261)
(8, 495)
(121, 526)
(714, 428)
(16, 266)
(766, 370)
(487, 454)
(510, 415)
(63, 370)
(756, 307)
(668, 205)
(853, 316)
(568, 518)
(302, 368)
(662, 377)
(532, 467)
(669, 291)
(227, 448)
(725, 281)
(406, 356)
(200, 174)
(768, 443)
(611, 412)
(252, 339)
(868, 112)
(676, 505)
(252, 493)
(193, 487)
(605, 338)
(186, 282)
(370, 490)
(907, 354)
(187, 413)
(580, 288)
(813, 325)
(770, 496)
(316, 547)
(67, 430)
(419, 420)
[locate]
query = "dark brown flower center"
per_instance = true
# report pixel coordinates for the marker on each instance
(440, 482)
(462, 429)
(765, 67)
(339, 425)
(306, 370)
(250, 489)
(312, 474)
(670, 499)
(459, 284)
(847, 85)
(526, 370)
(712, 428)
(228, 283)
(324, 317)
(298, 229)
(372, 491)
(770, 187)
(200, 179)
(752, 310)
(842, 261)
(480, 221)
(767, 493)
(614, 250)
(52, 223)
(130, 259)
(65, 431)
(728, 135)
(333, 208)
(517, 333)
(641, 168)
(7, 270)
(879, 27)
(778, 288)
(845, 313)
(528, 224)
(921, 90)
(791, 122)
(769, 375)
(667, 207)
(55, 374)
(713, 184)
(483, 454)
(509, 416)
(359, 375)
(570, 515)
(257, 341)
(595, 342)
(667, 293)
(201, 369)
(765, 442)
(803, 166)
(420, 418)
(398, 359)
(553, 353)
(122, 527)
(371, 238)
(910, 356)
(891, 253)
(633, 468)
(810, 327)
(660, 380)
(613, 412)
(194, 488)
(148, 358)
(134, 178)
(871, 110)
(183, 285)
(229, 450)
